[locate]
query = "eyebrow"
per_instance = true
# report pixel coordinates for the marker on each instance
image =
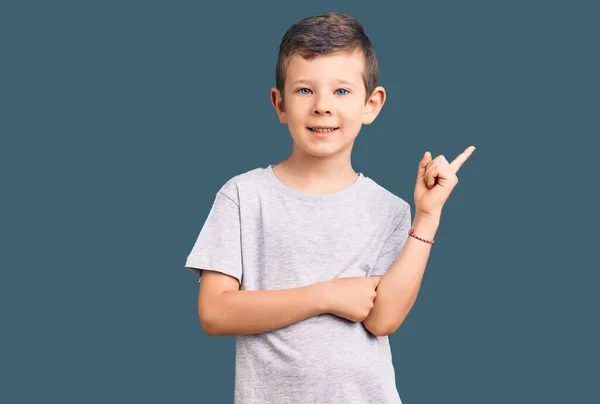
(340, 81)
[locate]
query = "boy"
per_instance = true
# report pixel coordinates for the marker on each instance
(301, 260)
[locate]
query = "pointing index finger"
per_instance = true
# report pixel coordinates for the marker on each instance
(461, 158)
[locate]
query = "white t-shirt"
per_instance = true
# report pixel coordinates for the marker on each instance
(270, 236)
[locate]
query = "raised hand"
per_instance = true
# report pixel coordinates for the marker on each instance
(436, 178)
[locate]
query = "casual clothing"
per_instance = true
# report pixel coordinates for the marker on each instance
(270, 236)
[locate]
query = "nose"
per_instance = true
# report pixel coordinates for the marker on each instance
(322, 105)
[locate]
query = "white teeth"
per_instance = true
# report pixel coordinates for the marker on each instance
(322, 130)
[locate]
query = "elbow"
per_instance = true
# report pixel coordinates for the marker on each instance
(384, 331)
(209, 326)
(375, 328)
(380, 332)
(381, 329)
(204, 323)
(208, 313)
(208, 329)
(390, 326)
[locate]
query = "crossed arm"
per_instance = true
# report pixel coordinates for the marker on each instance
(223, 309)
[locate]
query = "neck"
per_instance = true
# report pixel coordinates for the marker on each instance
(335, 168)
(314, 174)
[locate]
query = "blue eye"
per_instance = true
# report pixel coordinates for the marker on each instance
(302, 91)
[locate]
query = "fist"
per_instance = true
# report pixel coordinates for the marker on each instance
(352, 298)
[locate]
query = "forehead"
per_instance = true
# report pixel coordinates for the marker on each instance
(343, 66)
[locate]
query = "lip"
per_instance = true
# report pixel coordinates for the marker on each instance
(323, 134)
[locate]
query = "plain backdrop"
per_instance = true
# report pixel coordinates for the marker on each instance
(120, 120)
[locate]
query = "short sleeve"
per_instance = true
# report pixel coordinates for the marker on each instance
(394, 243)
(218, 246)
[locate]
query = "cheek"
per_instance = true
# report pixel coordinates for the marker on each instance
(353, 116)
(297, 112)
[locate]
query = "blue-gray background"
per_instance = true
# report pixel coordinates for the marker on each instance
(121, 120)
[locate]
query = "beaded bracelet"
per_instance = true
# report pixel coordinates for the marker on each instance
(411, 233)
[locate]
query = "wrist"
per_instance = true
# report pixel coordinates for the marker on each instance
(321, 296)
(426, 225)
(433, 215)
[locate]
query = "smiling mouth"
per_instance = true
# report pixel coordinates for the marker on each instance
(322, 130)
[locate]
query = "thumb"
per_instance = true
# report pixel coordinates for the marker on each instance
(423, 163)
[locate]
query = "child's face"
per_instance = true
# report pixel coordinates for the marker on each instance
(327, 91)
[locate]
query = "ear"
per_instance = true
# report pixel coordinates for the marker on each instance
(374, 105)
(278, 104)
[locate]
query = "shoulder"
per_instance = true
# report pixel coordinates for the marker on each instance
(385, 199)
(240, 184)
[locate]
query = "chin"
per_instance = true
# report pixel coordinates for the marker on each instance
(323, 150)
(308, 143)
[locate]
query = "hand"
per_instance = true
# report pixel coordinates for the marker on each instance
(436, 178)
(352, 298)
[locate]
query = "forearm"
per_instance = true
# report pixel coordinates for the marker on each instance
(244, 312)
(399, 287)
